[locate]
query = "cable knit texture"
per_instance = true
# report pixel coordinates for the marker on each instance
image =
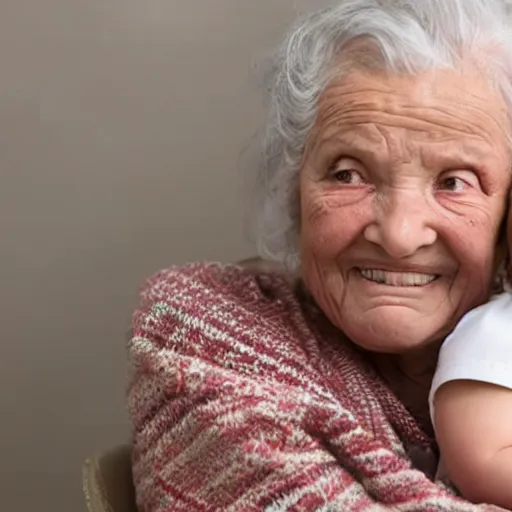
(243, 398)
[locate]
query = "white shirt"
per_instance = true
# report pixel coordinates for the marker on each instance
(479, 348)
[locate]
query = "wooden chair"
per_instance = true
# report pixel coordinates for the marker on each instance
(107, 476)
(107, 481)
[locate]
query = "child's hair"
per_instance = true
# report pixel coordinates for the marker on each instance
(504, 249)
(502, 255)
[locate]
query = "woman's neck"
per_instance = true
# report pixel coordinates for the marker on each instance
(410, 376)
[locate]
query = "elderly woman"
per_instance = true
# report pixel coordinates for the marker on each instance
(383, 190)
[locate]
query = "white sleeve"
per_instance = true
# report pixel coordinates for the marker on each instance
(479, 348)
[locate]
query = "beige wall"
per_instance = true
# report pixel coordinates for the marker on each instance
(121, 127)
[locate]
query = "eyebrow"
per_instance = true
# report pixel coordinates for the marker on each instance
(359, 143)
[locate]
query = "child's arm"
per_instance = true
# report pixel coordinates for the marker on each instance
(473, 422)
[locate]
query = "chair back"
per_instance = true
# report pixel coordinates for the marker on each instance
(107, 481)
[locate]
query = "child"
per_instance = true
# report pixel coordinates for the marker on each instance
(471, 403)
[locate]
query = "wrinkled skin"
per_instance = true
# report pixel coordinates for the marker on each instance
(407, 175)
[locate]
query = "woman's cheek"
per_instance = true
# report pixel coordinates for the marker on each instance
(331, 224)
(471, 240)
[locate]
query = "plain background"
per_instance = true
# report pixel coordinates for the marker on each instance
(122, 126)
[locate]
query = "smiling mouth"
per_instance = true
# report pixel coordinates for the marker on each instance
(403, 279)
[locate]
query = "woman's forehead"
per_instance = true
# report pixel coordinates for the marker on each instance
(447, 104)
(469, 90)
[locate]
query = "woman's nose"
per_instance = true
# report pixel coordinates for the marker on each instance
(402, 224)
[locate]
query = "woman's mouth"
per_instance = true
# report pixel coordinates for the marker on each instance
(404, 279)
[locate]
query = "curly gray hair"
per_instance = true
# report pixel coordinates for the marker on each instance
(408, 36)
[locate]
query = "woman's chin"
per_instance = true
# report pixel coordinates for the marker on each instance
(393, 330)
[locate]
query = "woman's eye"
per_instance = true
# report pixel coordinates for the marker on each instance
(459, 182)
(348, 177)
(453, 184)
(347, 171)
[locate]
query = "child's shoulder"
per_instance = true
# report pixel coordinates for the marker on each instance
(479, 348)
(488, 318)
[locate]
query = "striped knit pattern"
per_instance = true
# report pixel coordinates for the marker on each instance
(244, 399)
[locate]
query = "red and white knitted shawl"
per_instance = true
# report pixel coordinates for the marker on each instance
(240, 401)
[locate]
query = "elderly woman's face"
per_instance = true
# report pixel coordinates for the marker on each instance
(403, 188)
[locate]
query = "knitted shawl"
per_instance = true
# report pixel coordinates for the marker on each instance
(243, 400)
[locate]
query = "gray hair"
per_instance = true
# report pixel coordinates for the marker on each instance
(409, 35)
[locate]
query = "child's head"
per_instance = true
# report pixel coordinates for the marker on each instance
(503, 253)
(506, 248)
